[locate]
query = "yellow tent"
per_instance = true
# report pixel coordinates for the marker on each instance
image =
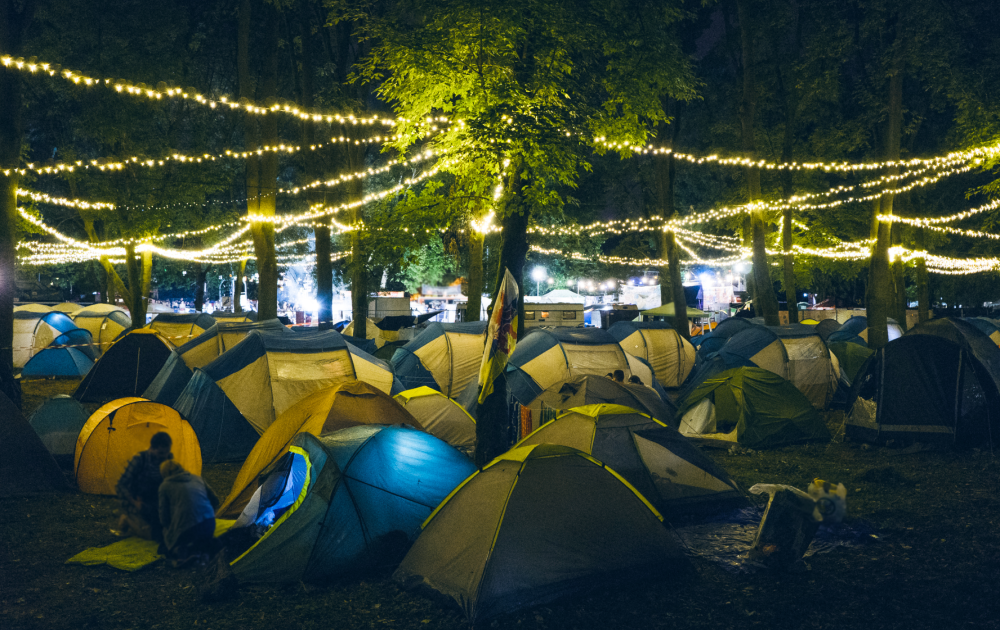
(67, 307)
(118, 431)
(33, 308)
(344, 405)
(441, 416)
(667, 310)
(809, 322)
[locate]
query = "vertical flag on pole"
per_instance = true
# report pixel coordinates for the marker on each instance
(501, 336)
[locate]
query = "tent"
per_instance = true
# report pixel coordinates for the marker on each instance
(658, 461)
(811, 366)
(537, 523)
(267, 373)
(549, 357)
(25, 464)
(759, 346)
(827, 327)
(670, 355)
(444, 356)
(181, 327)
(809, 322)
(32, 308)
(713, 341)
(754, 407)
(238, 318)
(199, 352)
(58, 362)
(986, 327)
(119, 430)
(440, 416)
(924, 387)
(58, 422)
(858, 325)
(126, 368)
(594, 390)
(851, 356)
(104, 322)
(68, 307)
(348, 502)
(667, 310)
(342, 406)
(34, 331)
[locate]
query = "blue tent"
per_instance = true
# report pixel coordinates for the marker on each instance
(760, 347)
(199, 352)
(34, 331)
(58, 422)
(55, 362)
(855, 325)
(713, 341)
(233, 399)
(445, 357)
(346, 502)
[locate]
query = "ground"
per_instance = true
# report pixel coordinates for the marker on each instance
(936, 563)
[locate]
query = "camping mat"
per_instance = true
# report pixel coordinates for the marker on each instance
(727, 539)
(132, 553)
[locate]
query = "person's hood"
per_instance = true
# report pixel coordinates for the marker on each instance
(181, 477)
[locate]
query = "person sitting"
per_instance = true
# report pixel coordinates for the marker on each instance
(635, 380)
(610, 376)
(619, 376)
(187, 514)
(138, 490)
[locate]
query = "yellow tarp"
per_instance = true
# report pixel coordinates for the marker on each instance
(133, 553)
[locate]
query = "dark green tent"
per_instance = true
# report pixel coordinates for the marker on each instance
(851, 356)
(753, 407)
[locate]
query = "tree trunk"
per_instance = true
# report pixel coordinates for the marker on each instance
(239, 286)
(199, 291)
(133, 268)
(898, 281)
(475, 304)
(147, 282)
(359, 257)
(880, 296)
(923, 294)
(791, 99)
(765, 301)
(671, 284)
(324, 270)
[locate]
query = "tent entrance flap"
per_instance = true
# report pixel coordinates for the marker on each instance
(280, 489)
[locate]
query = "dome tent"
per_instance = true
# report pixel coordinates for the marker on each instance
(126, 368)
(350, 501)
(341, 406)
(939, 383)
(753, 407)
(713, 341)
(35, 331)
(658, 461)
(537, 523)
(246, 388)
(104, 322)
(827, 327)
(592, 390)
(758, 346)
(58, 423)
(32, 308)
(245, 317)
(69, 308)
(858, 326)
(25, 464)
(58, 362)
(181, 327)
(986, 327)
(670, 355)
(812, 368)
(440, 416)
(199, 352)
(117, 431)
(445, 357)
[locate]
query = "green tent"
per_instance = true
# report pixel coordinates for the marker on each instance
(851, 356)
(753, 407)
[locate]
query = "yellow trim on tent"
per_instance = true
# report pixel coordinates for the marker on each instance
(295, 506)
(422, 391)
(601, 409)
(809, 322)
(627, 484)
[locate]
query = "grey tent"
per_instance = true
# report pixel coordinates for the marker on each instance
(537, 523)
(25, 464)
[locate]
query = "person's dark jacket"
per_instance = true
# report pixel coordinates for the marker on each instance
(185, 501)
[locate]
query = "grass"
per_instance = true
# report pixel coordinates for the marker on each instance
(936, 564)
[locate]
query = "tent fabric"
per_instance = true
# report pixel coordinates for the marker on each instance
(104, 322)
(548, 357)
(118, 431)
(246, 317)
(844, 336)
(32, 308)
(591, 390)
(667, 310)
(58, 363)
(852, 357)
(858, 325)
(271, 370)
(756, 408)
(811, 367)
(760, 346)
(826, 327)
(929, 388)
(35, 331)
(440, 416)
(444, 356)
(199, 352)
(25, 464)
(986, 327)
(537, 523)
(68, 307)
(661, 464)
(58, 423)
(358, 506)
(671, 356)
(181, 327)
(126, 368)
(342, 406)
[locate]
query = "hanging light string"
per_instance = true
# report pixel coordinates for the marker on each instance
(958, 216)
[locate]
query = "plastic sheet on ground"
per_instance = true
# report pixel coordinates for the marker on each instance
(727, 538)
(132, 553)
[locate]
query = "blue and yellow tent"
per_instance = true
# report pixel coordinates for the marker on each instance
(445, 357)
(670, 356)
